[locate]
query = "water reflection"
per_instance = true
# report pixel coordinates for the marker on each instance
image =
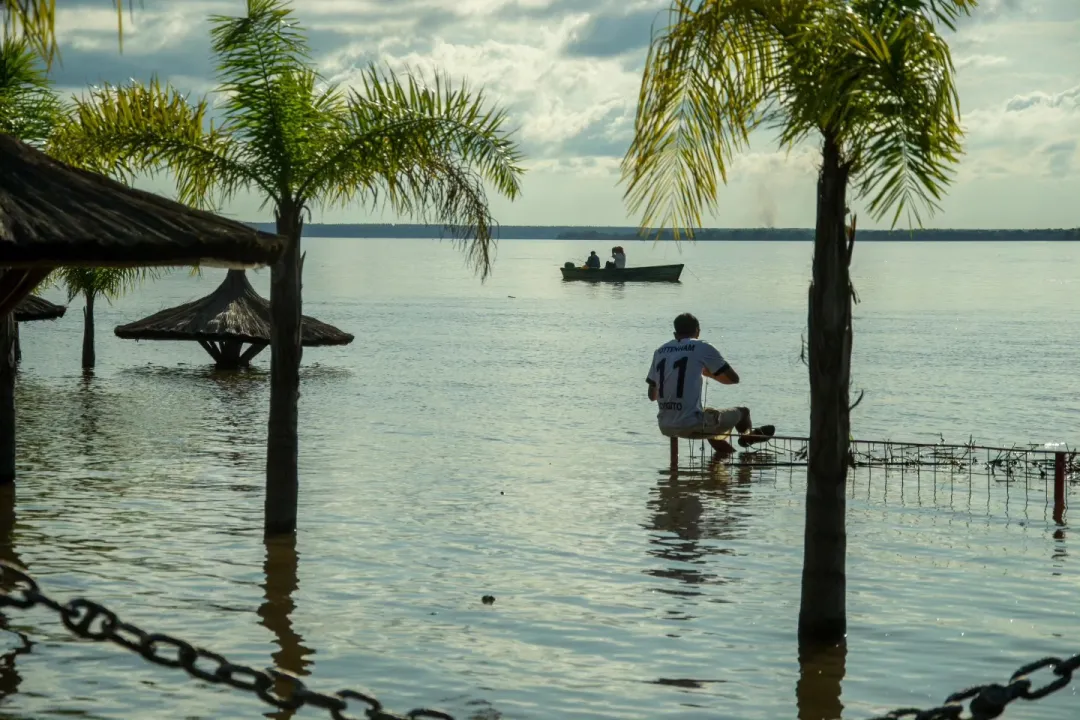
(10, 679)
(1060, 552)
(69, 430)
(821, 675)
(679, 509)
(232, 406)
(280, 568)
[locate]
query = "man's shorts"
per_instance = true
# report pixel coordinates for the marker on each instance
(713, 423)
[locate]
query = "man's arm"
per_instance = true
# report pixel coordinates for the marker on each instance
(716, 367)
(725, 375)
(653, 378)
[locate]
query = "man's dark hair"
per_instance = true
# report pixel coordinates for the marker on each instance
(686, 325)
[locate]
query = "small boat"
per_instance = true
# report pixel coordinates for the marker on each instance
(647, 273)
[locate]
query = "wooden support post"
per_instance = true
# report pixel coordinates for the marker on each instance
(253, 350)
(674, 454)
(1059, 487)
(211, 349)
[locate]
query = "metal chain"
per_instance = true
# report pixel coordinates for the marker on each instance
(93, 621)
(989, 701)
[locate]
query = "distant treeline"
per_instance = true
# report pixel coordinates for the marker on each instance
(629, 234)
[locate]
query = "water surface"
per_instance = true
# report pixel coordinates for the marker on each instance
(495, 438)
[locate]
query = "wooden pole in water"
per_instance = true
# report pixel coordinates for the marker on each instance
(674, 454)
(1059, 487)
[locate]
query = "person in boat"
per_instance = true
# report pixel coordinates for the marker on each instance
(593, 261)
(618, 259)
(675, 379)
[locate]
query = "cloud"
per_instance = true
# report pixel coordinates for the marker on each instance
(980, 61)
(606, 35)
(1061, 157)
(1067, 100)
(568, 72)
(561, 103)
(1033, 134)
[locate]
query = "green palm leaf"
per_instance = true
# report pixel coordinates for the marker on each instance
(29, 109)
(110, 283)
(874, 74)
(131, 129)
(35, 22)
(427, 149)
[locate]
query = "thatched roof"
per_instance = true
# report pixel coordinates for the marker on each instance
(33, 308)
(53, 214)
(234, 311)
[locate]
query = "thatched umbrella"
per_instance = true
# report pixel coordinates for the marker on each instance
(53, 214)
(224, 320)
(33, 307)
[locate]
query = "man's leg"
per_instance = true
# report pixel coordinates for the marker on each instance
(745, 424)
(748, 435)
(721, 447)
(722, 422)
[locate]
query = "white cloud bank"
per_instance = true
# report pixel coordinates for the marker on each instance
(569, 70)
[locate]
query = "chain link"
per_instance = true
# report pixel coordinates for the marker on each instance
(274, 686)
(985, 702)
(282, 689)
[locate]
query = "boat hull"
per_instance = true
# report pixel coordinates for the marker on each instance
(648, 273)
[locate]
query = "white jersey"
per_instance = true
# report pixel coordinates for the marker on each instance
(620, 260)
(676, 371)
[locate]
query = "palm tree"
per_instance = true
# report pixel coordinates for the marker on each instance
(35, 21)
(872, 81)
(29, 110)
(90, 283)
(426, 150)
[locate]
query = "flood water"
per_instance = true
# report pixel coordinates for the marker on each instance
(495, 439)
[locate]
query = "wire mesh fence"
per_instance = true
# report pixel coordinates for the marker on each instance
(935, 473)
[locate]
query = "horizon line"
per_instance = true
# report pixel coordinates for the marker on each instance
(667, 230)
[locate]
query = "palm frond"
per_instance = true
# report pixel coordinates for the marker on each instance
(263, 70)
(35, 22)
(111, 283)
(429, 149)
(908, 134)
(29, 109)
(874, 75)
(706, 78)
(126, 130)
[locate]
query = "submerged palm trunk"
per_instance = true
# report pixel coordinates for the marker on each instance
(89, 357)
(819, 690)
(282, 450)
(7, 399)
(823, 613)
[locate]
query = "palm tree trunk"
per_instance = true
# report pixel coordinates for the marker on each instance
(823, 611)
(89, 357)
(7, 399)
(282, 450)
(819, 690)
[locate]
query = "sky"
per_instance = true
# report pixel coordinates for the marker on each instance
(568, 72)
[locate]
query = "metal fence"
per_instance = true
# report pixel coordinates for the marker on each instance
(936, 467)
(873, 463)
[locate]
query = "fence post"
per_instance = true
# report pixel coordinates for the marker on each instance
(674, 453)
(1059, 486)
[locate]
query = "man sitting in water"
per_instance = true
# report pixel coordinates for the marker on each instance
(593, 261)
(675, 380)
